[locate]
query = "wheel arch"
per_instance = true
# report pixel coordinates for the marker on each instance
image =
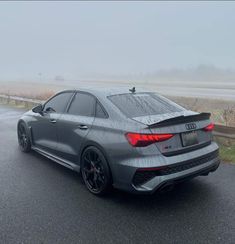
(28, 129)
(98, 146)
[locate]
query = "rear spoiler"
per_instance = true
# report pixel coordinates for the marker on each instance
(182, 119)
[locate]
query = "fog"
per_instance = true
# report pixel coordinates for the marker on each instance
(117, 40)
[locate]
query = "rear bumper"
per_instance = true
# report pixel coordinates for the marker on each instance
(179, 179)
(159, 182)
(171, 172)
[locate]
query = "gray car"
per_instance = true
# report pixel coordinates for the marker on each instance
(133, 140)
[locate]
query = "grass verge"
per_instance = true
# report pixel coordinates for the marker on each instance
(227, 149)
(227, 153)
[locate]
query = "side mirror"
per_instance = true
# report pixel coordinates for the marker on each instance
(50, 110)
(38, 109)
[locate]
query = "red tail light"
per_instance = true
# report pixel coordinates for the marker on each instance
(143, 140)
(209, 127)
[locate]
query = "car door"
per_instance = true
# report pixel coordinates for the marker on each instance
(44, 127)
(74, 125)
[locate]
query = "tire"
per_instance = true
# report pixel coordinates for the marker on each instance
(23, 138)
(95, 171)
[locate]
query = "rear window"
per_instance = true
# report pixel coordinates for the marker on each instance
(144, 104)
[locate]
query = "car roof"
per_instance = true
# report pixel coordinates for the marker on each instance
(108, 91)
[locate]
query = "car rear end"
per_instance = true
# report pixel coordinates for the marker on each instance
(172, 145)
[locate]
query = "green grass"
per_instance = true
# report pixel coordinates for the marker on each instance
(227, 148)
(227, 153)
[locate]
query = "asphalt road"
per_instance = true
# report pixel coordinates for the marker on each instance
(42, 202)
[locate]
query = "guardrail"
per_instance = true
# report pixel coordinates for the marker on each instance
(27, 102)
(220, 130)
(224, 131)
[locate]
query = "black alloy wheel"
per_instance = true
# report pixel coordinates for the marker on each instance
(95, 171)
(23, 138)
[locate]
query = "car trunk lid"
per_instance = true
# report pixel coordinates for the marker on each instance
(186, 126)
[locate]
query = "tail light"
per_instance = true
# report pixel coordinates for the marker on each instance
(143, 140)
(209, 127)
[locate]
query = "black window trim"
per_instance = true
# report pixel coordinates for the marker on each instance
(57, 94)
(71, 100)
(94, 109)
(102, 107)
(74, 92)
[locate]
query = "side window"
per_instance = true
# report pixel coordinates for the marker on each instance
(58, 103)
(99, 113)
(83, 104)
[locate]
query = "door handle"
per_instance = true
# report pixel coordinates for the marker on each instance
(53, 121)
(82, 127)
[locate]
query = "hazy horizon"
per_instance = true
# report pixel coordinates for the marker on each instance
(91, 40)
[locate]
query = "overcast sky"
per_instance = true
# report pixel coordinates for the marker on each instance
(89, 39)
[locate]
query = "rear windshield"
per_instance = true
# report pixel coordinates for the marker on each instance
(144, 104)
